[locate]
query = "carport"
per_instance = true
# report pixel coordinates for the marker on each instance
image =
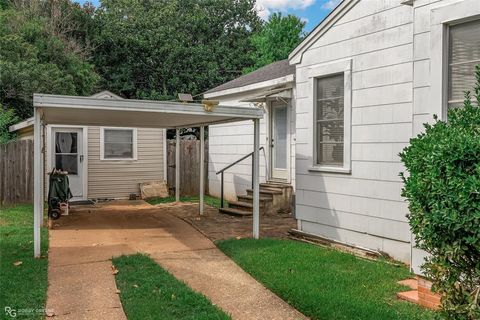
(93, 111)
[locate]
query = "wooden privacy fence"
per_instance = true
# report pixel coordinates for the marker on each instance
(16, 172)
(189, 166)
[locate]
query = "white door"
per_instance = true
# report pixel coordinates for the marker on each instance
(67, 154)
(278, 141)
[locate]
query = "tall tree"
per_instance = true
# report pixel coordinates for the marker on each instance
(157, 48)
(40, 52)
(278, 37)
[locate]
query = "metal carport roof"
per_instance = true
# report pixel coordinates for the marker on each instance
(91, 111)
(110, 110)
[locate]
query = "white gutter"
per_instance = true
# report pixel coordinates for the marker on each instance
(253, 86)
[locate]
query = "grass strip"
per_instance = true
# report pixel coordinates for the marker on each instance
(23, 279)
(147, 291)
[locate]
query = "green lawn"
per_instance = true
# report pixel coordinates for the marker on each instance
(23, 287)
(149, 292)
(211, 201)
(324, 283)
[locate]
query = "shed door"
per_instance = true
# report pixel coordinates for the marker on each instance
(67, 154)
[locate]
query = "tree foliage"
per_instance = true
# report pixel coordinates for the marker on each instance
(41, 52)
(157, 48)
(7, 118)
(443, 191)
(277, 38)
(144, 49)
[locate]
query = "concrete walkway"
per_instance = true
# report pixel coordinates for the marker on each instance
(81, 283)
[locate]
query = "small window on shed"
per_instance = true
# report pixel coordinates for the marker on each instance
(119, 144)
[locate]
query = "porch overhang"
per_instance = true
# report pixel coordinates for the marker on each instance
(91, 111)
(112, 111)
(268, 94)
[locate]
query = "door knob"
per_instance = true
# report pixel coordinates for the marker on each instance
(81, 158)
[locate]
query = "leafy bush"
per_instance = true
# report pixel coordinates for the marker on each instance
(7, 118)
(443, 191)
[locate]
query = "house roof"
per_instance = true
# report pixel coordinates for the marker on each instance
(269, 72)
(106, 95)
(343, 7)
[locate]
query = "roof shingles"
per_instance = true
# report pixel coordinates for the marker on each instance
(269, 72)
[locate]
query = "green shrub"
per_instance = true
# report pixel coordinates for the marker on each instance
(7, 118)
(443, 191)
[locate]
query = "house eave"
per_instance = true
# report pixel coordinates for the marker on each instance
(254, 86)
(21, 125)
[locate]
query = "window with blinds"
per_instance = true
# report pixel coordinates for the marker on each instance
(118, 144)
(464, 55)
(329, 128)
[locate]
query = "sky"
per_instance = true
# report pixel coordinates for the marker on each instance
(310, 11)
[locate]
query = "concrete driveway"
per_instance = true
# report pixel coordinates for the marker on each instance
(81, 283)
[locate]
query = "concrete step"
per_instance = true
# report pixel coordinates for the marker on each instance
(236, 212)
(270, 188)
(249, 199)
(247, 205)
(243, 205)
(266, 193)
(280, 199)
(274, 184)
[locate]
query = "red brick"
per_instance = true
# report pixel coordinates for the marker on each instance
(411, 283)
(429, 305)
(422, 295)
(424, 283)
(433, 298)
(411, 296)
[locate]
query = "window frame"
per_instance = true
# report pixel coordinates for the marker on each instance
(441, 18)
(448, 62)
(134, 144)
(321, 71)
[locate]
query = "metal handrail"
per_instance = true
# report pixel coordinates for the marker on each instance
(231, 165)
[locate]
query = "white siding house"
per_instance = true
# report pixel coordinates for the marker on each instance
(368, 46)
(271, 88)
(401, 62)
(366, 79)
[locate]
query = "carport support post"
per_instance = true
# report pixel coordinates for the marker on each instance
(202, 166)
(37, 181)
(177, 165)
(255, 178)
